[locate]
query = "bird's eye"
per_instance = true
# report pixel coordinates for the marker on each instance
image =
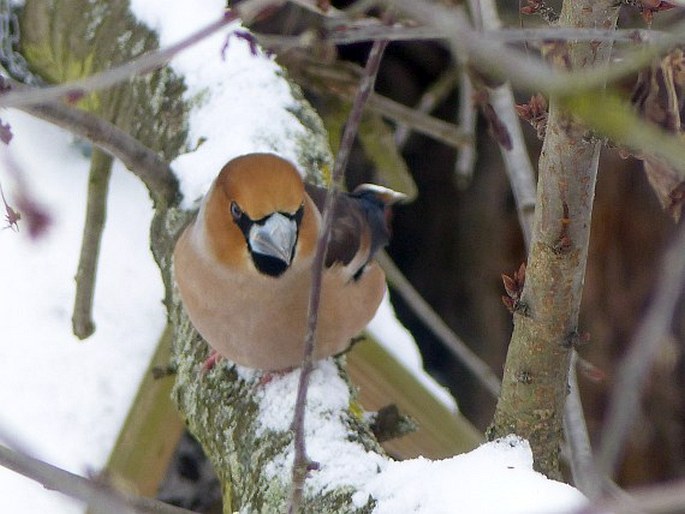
(236, 212)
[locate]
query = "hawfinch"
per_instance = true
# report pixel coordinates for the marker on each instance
(243, 267)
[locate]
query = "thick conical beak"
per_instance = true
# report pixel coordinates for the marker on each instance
(276, 237)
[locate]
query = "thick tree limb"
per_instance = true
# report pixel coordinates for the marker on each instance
(535, 380)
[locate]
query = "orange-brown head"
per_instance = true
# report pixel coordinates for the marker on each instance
(258, 212)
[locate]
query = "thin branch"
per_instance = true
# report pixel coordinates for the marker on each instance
(419, 122)
(583, 470)
(435, 94)
(656, 499)
(302, 464)
(338, 81)
(438, 327)
(624, 401)
(467, 119)
(139, 159)
(96, 213)
(516, 161)
(97, 494)
(350, 32)
(500, 60)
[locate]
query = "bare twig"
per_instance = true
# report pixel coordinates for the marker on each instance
(96, 213)
(439, 328)
(585, 476)
(632, 373)
(349, 32)
(516, 161)
(467, 119)
(302, 465)
(338, 81)
(99, 495)
(433, 127)
(143, 162)
(435, 94)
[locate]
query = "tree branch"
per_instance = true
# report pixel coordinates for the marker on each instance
(99, 495)
(467, 120)
(644, 349)
(139, 159)
(144, 64)
(435, 94)
(341, 82)
(438, 327)
(534, 75)
(302, 465)
(516, 160)
(535, 380)
(96, 213)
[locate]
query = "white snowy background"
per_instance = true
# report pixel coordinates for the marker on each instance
(65, 400)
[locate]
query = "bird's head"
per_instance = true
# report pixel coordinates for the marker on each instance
(256, 212)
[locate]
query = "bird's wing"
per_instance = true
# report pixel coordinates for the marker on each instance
(359, 227)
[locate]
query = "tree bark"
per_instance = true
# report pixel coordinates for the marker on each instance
(535, 379)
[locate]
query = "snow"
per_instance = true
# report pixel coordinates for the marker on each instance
(66, 399)
(341, 461)
(229, 123)
(497, 478)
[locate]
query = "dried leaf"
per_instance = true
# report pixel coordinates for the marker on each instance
(520, 275)
(510, 286)
(37, 218)
(659, 97)
(667, 185)
(535, 113)
(509, 303)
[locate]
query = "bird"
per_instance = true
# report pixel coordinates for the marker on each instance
(243, 267)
